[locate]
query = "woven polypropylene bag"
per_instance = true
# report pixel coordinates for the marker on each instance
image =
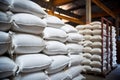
(7, 67)
(28, 6)
(28, 23)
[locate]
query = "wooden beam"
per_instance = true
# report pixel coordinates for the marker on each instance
(88, 11)
(61, 2)
(72, 19)
(106, 9)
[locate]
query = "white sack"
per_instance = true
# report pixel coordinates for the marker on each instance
(53, 21)
(79, 77)
(55, 47)
(5, 20)
(32, 76)
(72, 72)
(87, 32)
(96, 51)
(87, 49)
(98, 32)
(87, 37)
(27, 43)
(96, 57)
(80, 27)
(60, 76)
(58, 64)
(5, 41)
(86, 62)
(28, 6)
(28, 23)
(75, 60)
(33, 62)
(96, 64)
(96, 70)
(74, 48)
(74, 37)
(87, 68)
(87, 55)
(54, 34)
(96, 44)
(5, 4)
(96, 38)
(69, 28)
(87, 43)
(7, 67)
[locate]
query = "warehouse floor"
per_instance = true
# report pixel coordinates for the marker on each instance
(114, 75)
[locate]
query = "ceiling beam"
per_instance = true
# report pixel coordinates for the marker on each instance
(76, 8)
(105, 8)
(66, 12)
(71, 19)
(61, 2)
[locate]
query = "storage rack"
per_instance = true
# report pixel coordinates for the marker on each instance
(108, 36)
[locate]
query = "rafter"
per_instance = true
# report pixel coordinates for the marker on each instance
(75, 8)
(105, 8)
(72, 19)
(61, 2)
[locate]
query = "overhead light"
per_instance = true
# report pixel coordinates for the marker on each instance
(47, 0)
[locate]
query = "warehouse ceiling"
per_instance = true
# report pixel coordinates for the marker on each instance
(74, 11)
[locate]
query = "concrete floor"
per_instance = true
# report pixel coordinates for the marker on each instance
(114, 75)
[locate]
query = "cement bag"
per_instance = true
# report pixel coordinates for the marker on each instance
(55, 47)
(96, 64)
(96, 44)
(74, 48)
(87, 32)
(69, 28)
(28, 23)
(5, 4)
(74, 37)
(28, 6)
(74, 71)
(75, 60)
(87, 55)
(87, 37)
(86, 62)
(54, 22)
(98, 70)
(96, 51)
(96, 57)
(5, 41)
(96, 38)
(87, 43)
(80, 27)
(79, 77)
(7, 67)
(58, 64)
(87, 49)
(33, 62)
(54, 34)
(60, 76)
(87, 68)
(5, 20)
(32, 76)
(27, 43)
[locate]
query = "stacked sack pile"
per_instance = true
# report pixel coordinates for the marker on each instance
(37, 45)
(7, 65)
(114, 53)
(93, 46)
(56, 35)
(27, 42)
(74, 51)
(86, 31)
